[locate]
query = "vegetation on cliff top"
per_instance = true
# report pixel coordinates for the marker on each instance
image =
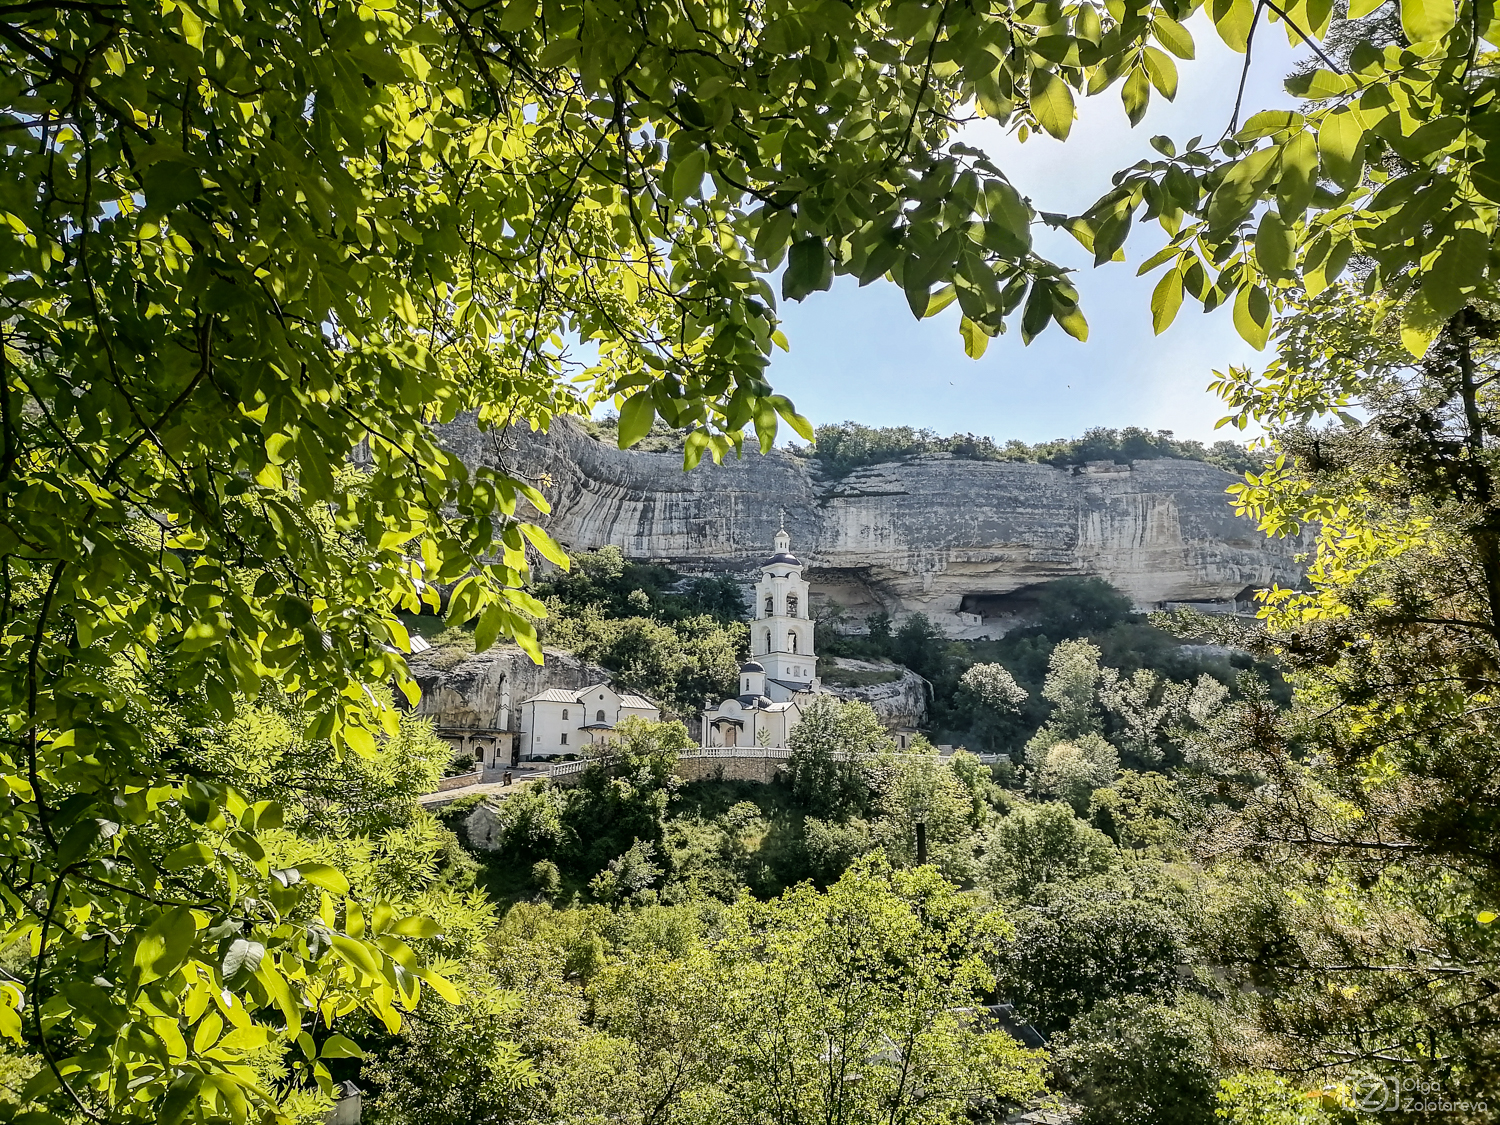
(842, 447)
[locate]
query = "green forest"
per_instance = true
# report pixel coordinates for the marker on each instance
(842, 447)
(254, 256)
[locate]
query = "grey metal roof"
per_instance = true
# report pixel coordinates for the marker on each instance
(567, 695)
(553, 695)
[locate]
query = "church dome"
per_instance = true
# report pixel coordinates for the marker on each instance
(752, 666)
(785, 557)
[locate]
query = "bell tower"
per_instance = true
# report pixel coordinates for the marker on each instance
(781, 636)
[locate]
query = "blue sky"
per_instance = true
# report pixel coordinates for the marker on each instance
(859, 354)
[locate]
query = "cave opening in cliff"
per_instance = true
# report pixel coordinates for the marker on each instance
(1011, 608)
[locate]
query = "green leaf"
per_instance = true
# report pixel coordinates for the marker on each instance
(1420, 325)
(975, 339)
(1166, 299)
(771, 238)
(1319, 84)
(1252, 316)
(940, 300)
(808, 269)
(266, 814)
(359, 739)
(340, 1047)
(518, 16)
(559, 52)
(1233, 20)
(880, 257)
(1172, 35)
(636, 416)
(764, 416)
(441, 985)
(1458, 270)
(1087, 25)
(688, 178)
(1136, 95)
(1051, 103)
(194, 854)
(1071, 319)
(1163, 73)
(164, 944)
(1109, 239)
(1038, 310)
(169, 184)
(355, 953)
(1341, 145)
(1267, 123)
(1238, 191)
(546, 546)
(918, 297)
(788, 412)
(417, 926)
(487, 632)
(1317, 15)
(1299, 176)
(322, 875)
(1274, 249)
(693, 449)
(243, 957)
(1425, 21)
(77, 843)
(1486, 178)
(1005, 206)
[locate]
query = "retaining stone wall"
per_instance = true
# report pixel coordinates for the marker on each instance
(761, 768)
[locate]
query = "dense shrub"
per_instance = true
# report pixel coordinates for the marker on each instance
(1036, 844)
(1137, 1061)
(1079, 944)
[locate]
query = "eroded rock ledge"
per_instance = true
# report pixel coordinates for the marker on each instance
(956, 539)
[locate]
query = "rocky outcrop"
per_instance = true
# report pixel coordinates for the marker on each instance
(898, 695)
(956, 539)
(481, 691)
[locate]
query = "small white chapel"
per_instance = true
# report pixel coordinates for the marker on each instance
(780, 678)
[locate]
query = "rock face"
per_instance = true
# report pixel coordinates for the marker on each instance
(956, 539)
(900, 702)
(481, 692)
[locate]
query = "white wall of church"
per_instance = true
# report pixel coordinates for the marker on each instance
(552, 728)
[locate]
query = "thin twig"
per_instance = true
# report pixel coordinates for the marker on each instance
(1306, 38)
(1239, 97)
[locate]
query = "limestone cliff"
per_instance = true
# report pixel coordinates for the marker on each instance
(480, 691)
(898, 695)
(953, 538)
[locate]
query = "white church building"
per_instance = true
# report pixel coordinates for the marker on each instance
(780, 678)
(561, 721)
